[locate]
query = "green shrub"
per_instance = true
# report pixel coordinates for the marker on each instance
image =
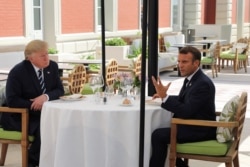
(52, 51)
(115, 42)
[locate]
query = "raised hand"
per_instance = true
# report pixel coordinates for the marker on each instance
(161, 90)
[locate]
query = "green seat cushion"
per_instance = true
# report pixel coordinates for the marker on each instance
(13, 135)
(206, 60)
(242, 56)
(210, 147)
(229, 55)
(87, 89)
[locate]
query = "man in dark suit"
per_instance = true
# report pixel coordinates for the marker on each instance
(24, 89)
(196, 100)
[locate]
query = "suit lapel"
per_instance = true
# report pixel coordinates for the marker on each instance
(33, 76)
(189, 85)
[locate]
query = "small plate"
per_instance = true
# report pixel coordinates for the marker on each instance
(126, 105)
(153, 102)
(72, 97)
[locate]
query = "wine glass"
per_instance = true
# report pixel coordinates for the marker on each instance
(93, 83)
(126, 85)
(109, 91)
(99, 81)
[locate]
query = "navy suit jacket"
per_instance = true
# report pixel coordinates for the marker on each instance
(196, 102)
(23, 85)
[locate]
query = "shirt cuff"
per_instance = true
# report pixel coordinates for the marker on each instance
(47, 97)
(165, 99)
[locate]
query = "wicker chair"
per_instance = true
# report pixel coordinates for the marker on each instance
(111, 71)
(76, 79)
(238, 58)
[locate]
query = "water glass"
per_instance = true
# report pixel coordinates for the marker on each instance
(109, 91)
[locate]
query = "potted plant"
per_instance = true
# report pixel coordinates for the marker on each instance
(115, 42)
(53, 54)
(167, 45)
(115, 48)
(52, 51)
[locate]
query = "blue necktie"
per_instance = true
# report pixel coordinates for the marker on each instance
(183, 87)
(41, 81)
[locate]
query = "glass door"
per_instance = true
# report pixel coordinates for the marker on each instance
(37, 19)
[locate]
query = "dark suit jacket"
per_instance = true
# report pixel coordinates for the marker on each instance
(196, 102)
(23, 85)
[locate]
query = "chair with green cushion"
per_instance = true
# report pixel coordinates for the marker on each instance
(87, 89)
(211, 58)
(111, 73)
(225, 147)
(236, 53)
(15, 137)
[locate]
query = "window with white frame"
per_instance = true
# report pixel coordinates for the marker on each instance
(98, 15)
(37, 15)
(176, 15)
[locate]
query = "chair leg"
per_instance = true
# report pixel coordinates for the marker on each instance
(236, 161)
(3, 153)
(235, 63)
(219, 64)
(245, 66)
(228, 164)
(24, 154)
(212, 67)
(216, 70)
(172, 162)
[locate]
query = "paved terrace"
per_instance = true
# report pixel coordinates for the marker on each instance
(227, 85)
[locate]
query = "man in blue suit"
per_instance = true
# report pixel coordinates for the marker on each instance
(23, 89)
(196, 100)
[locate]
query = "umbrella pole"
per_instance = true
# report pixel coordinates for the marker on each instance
(103, 43)
(143, 81)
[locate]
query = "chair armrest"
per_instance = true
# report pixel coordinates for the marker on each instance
(217, 113)
(226, 47)
(124, 68)
(13, 110)
(204, 123)
(25, 118)
(64, 78)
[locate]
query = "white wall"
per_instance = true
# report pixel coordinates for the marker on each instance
(10, 59)
(219, 31)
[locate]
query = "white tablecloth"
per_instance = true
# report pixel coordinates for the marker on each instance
(86, 134)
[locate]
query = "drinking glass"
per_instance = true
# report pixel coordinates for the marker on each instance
(93, 83)
(99, 81)
(126, 85)
(109, 91)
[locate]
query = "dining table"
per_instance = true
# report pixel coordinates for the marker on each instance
(5, 71)
(88, 132)
(85, 62)
(208, 42)
(68, 64)
(205, 36)
(3, 77)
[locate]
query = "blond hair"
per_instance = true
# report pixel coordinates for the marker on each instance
(35, 46)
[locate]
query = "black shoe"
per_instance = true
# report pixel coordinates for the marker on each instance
(31, 165)
(32, 162)
(180, 163)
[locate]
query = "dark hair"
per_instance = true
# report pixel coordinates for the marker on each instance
(194, 51)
